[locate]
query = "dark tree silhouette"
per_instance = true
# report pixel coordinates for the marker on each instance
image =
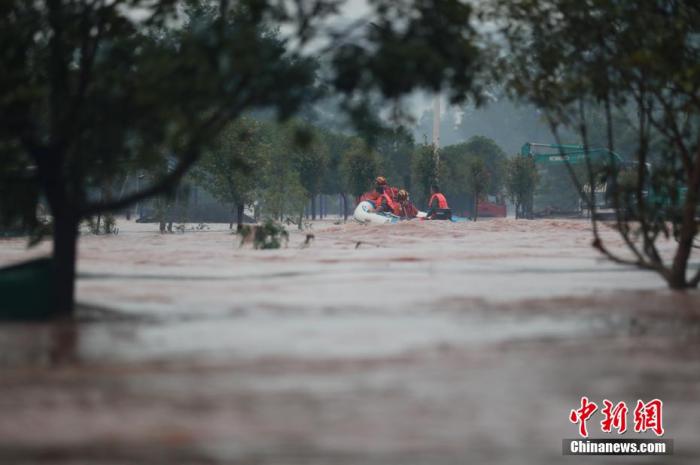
(89, 87)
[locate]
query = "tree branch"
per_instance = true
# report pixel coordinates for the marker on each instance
(162, 186)
(88, 51)
(649, 244)
(57, 73)
(696, 280)
(191, 155)
(675, 135)
(209, 128)
(597, 240)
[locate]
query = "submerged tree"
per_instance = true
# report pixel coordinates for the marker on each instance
(309, 156)
(232, 168)
(638, 64)
(395, 146)
(280, 191)
(494, 159)
(457, 179)
(521, 181)
(478, 179)
(337, 144)
(426, 170)
(359, 167)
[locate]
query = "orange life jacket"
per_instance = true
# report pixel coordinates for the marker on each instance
(374, 196)
(442, 201)
(391, 205)
(368, 196)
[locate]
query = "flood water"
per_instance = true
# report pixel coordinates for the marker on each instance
(407, 344)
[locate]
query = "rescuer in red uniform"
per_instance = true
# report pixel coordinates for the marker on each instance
(437, 205)
(384, 201)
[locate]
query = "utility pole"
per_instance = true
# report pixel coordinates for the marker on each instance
(436, 134)
(436, 121)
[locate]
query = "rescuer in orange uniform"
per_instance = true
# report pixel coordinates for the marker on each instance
(384, 201)
(437, 205)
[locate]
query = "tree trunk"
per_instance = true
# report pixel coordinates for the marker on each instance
(65, 238)
(107, 195)
(239, 216)
(677, 278)
(476, 206)
(345, 207)
(99, 215)
(313, 207)
(301, 220)
(232, 219)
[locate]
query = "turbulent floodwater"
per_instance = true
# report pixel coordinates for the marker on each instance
(423, 342)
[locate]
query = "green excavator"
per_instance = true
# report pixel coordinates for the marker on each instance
(556, 193)
(574, 154)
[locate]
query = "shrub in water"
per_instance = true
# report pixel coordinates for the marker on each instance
(268, 235)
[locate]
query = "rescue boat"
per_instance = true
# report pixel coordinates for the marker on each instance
(365, 214)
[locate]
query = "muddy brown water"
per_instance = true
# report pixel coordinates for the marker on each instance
(428, 344)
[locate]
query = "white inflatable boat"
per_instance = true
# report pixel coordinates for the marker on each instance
(364, 213)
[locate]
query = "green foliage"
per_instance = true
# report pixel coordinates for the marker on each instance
(456, 179)
(494, 160)
(135, 91)
(478, 175)
(425, 170)
(398, 55)
(268, 235)
(521, 181)
(608, 68)
(395, 148)
(309, 156)
(231, 169)
(89, 90)
(359, 168)
(478, 180)
(485, 149)
(281, 191)
(337, 145)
